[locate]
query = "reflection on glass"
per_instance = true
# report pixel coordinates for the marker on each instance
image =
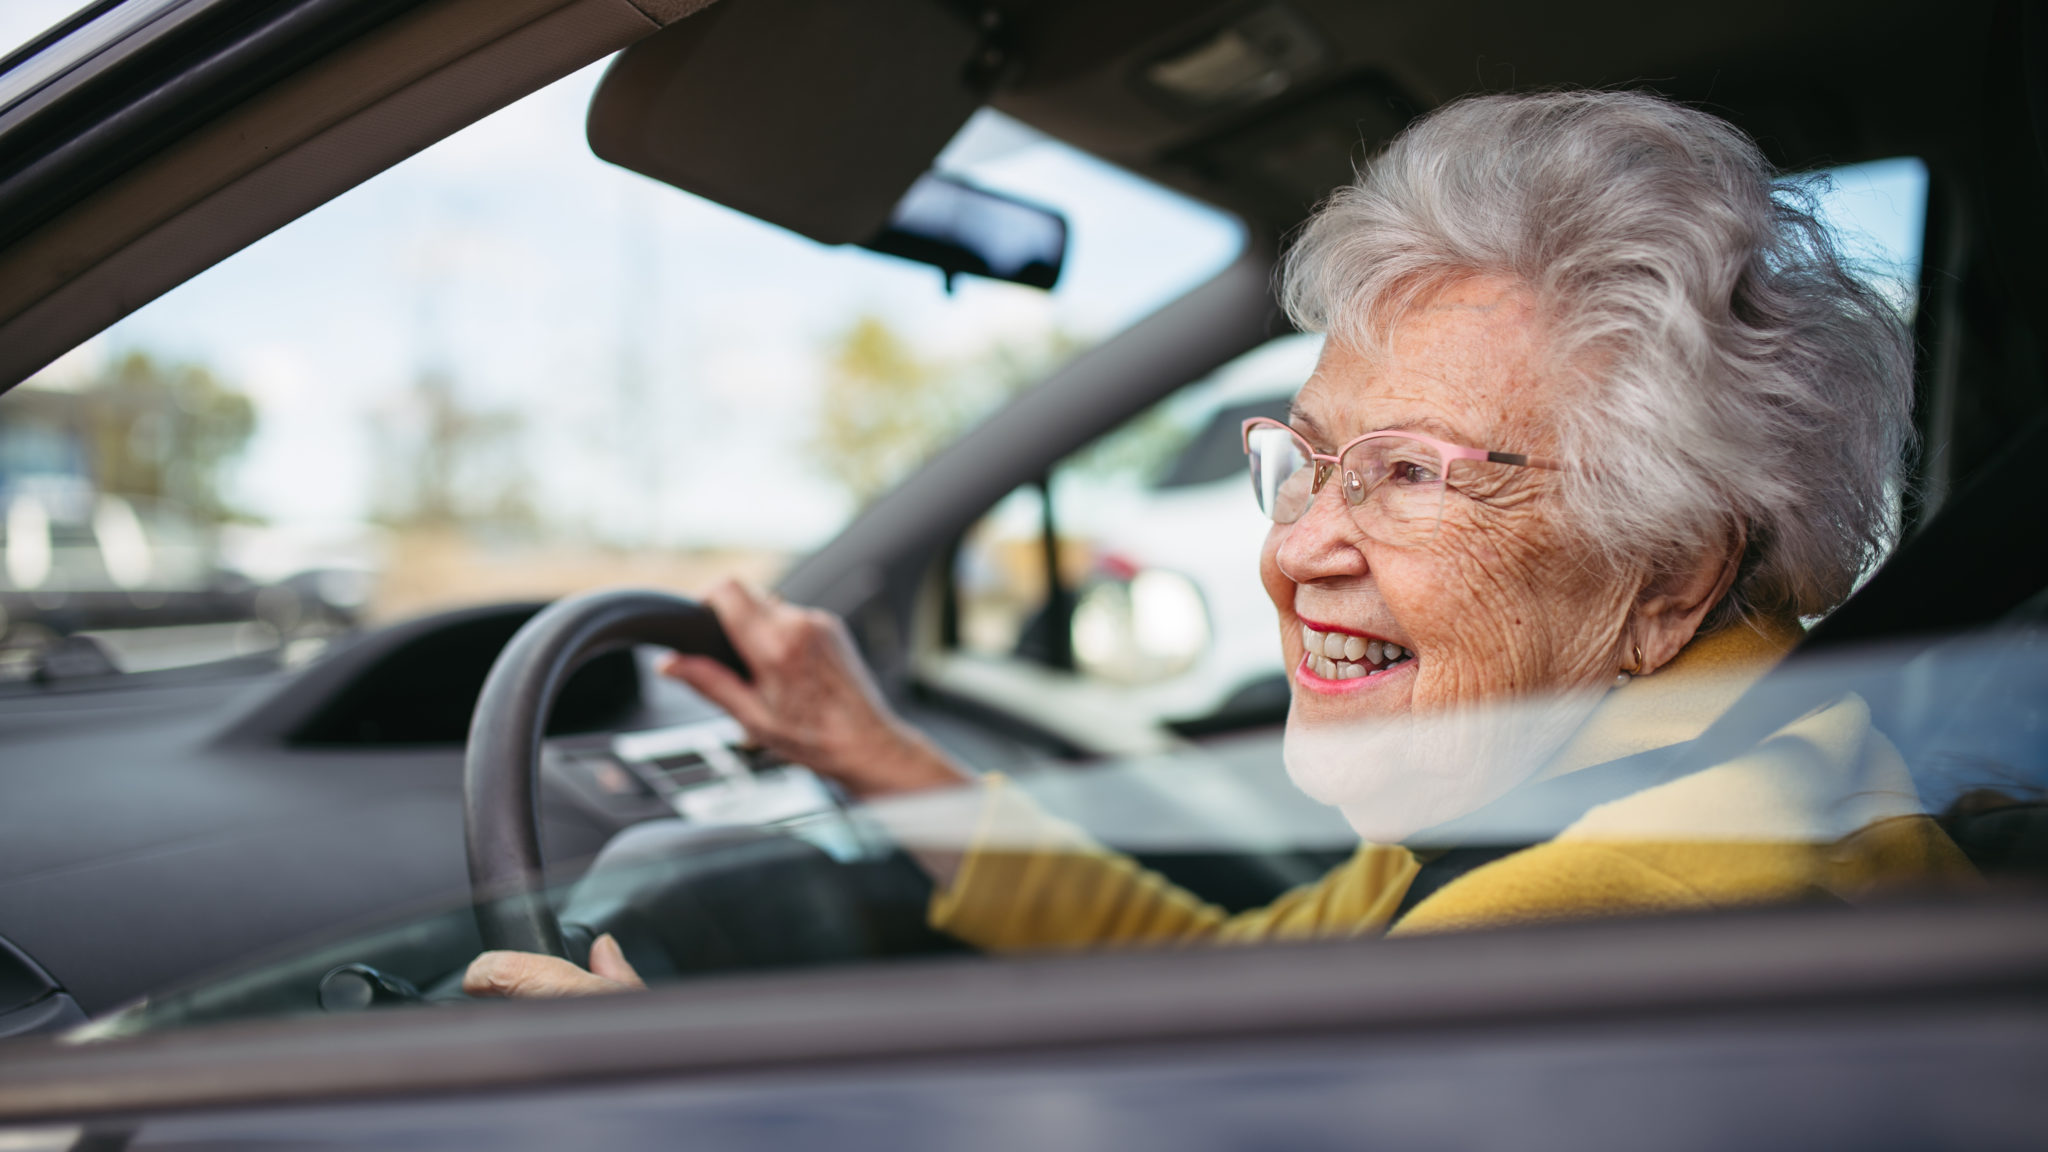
(1220, 843)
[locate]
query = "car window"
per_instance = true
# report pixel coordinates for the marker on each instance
(25, 22)
(503, 370)
(768, 870)
(506, 370)
(1879, 212)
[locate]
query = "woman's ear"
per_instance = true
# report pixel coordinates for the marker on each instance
(1669, 610)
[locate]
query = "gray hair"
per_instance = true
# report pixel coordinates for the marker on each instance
(1738, 375)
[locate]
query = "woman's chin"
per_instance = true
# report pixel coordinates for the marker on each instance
(1394, 767)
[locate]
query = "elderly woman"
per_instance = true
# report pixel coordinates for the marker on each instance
(1600, 417)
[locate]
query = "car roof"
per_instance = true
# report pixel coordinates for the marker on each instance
(1817, 82)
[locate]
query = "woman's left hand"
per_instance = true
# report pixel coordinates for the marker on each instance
(528, 975)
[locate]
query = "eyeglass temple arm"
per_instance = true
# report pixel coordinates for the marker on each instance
(1519, 460)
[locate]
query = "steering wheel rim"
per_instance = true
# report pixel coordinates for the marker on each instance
(500, 768)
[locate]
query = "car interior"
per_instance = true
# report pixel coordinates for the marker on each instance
(164, 827)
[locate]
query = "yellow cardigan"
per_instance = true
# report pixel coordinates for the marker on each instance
(1825, 805)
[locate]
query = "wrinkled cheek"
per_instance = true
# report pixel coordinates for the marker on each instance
(1463, 615)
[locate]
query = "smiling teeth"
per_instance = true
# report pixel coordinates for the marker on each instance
(1340, 656)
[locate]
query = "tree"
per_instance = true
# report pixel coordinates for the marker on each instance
(887, 410)
(165, 430)
(444, 462)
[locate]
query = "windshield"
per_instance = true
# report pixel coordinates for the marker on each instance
(507, 370)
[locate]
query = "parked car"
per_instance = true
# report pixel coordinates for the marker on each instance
(225, 892)
(97, 584)
(1153, 529)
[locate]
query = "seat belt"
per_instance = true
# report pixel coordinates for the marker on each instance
(1544, 808)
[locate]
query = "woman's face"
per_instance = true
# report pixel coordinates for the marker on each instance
(1499, 602)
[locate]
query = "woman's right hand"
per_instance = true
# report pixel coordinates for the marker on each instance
(811, 699)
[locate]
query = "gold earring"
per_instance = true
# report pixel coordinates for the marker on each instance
(1626, 674)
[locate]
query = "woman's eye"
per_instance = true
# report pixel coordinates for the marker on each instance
(1411, 472)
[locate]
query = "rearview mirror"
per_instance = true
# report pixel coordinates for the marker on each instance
(956, 227)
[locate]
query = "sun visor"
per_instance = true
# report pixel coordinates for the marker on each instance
(816, 115)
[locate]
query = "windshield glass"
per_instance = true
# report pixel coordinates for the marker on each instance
(508, 370)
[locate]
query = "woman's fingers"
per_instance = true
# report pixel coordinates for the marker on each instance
(608, 960)
(745, 616)
(811, 699)
(720, 685)
(530, 975)
(771, 635)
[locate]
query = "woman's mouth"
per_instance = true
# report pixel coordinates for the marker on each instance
(1333, 659)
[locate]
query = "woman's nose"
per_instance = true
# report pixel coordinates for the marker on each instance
(1325, 543)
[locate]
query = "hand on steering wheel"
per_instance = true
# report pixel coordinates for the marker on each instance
(811, 700)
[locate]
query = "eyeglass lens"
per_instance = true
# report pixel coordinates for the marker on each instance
(1393, 485)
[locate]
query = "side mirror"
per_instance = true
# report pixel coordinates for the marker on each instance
(1149, 628)
(959, 228)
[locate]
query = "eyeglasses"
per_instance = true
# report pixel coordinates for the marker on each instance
(1394, 482)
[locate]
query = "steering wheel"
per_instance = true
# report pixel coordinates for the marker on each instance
(500, 818)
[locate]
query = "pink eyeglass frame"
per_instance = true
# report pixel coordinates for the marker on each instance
(1444, 448)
